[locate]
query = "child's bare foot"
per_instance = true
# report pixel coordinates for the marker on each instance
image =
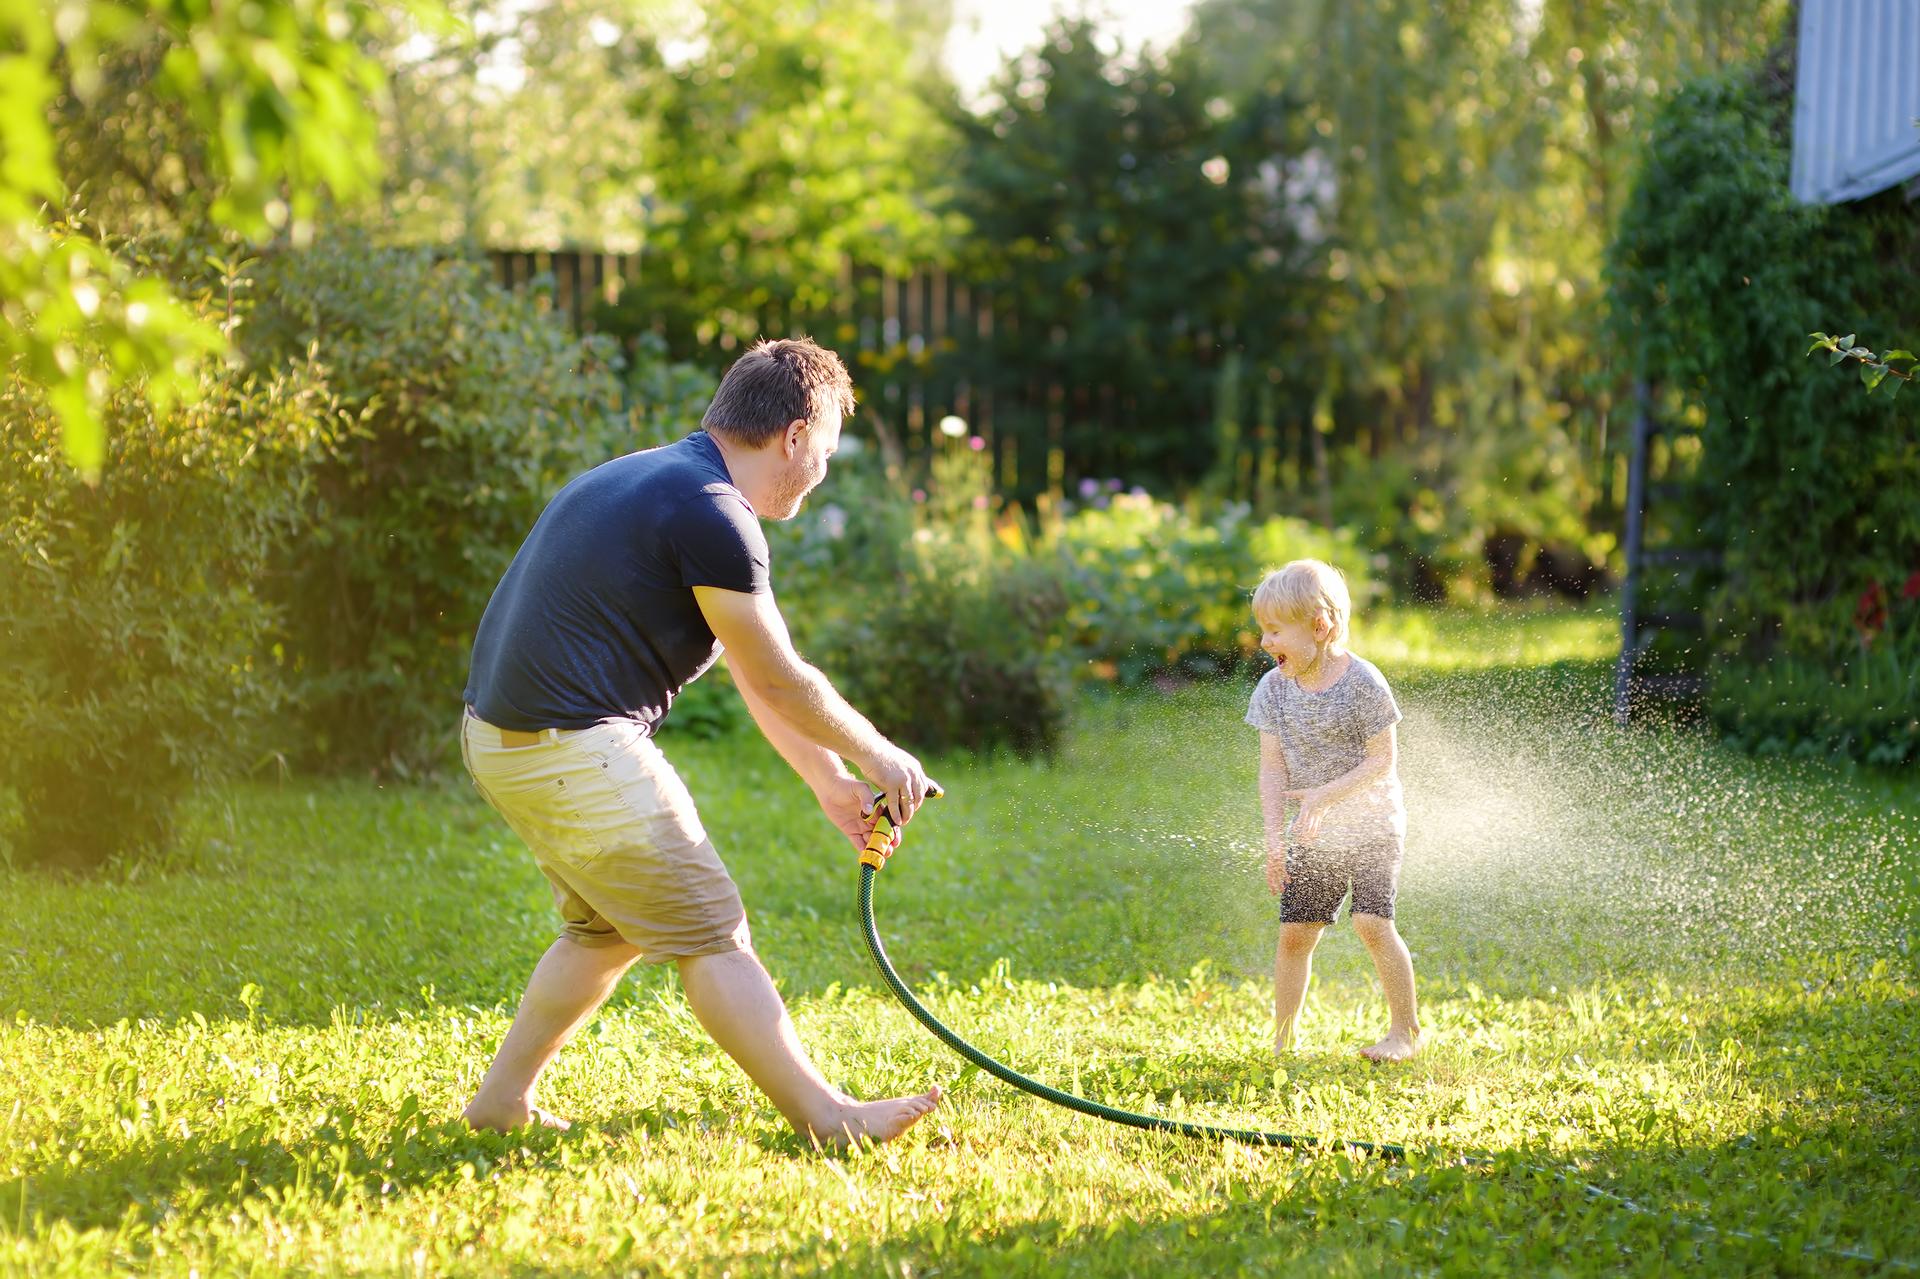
(507, 1118)
(875, 1121)
(1397, 1046)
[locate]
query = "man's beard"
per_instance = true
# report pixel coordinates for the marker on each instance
(793, 489)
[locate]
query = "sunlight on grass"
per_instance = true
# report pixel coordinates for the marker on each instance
(1676, 973)
(1468, 639)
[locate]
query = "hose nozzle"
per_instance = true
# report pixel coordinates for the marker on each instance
(880, 838)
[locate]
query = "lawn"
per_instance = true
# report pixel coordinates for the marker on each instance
(1648, 966)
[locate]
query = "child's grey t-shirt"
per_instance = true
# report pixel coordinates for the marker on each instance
(1324, 735)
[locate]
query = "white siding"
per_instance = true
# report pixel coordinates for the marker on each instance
(1856, 102)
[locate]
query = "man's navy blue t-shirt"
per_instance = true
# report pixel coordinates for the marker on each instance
(596, 617)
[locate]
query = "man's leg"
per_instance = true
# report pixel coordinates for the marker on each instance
(568, 984)
(1292, 968)
(1395, 966)
(735, 1000)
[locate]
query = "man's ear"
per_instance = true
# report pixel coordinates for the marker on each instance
(790, 442)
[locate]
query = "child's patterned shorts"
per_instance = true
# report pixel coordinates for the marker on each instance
(1318, 880)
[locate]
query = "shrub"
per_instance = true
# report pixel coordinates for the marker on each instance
(1865, 705)
(959, 650)
(1159, 588)
(664, 399)
(963, 624)
(939, 629)
(138, 648)
(1465, 513)
(1717, 277)
(471, 407)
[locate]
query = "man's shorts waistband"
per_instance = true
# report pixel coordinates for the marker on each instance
(511, 738)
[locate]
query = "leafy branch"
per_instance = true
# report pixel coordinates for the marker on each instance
(1874, 369)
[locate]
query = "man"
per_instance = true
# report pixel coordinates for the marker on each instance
(633, 580)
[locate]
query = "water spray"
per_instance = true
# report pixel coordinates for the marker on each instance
(873, 857)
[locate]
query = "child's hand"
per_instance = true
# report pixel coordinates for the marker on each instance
(1276, 867)
(1313, 806)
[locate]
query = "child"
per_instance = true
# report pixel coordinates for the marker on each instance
(1326, 722)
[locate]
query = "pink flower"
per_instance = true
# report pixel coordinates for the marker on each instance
(1089, 487)
(979, 501)
(976, 442)
(919, 495)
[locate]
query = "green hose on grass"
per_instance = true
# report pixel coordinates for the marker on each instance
(880, 847)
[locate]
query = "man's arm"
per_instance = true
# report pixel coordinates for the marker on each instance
(765, 666)
(816, 765)
(846, 800)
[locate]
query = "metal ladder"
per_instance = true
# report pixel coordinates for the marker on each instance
(1640, 617)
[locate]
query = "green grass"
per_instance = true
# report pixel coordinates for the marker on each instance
(1677, 974)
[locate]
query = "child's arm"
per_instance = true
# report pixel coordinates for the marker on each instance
(1382, 753)
(1273, 807)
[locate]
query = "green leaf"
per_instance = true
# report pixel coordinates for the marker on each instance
(81, 431)
(1873, 375)
(1900, 355)
(1838, 356)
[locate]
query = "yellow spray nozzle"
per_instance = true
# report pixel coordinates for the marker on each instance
(880, 838)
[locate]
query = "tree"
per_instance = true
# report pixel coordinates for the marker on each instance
(260, 110)
(1476, 154)
(790, 138)
(1126, 218)
(487, 142)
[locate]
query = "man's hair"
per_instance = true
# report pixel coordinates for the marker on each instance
(1302, 591)
(774, 383)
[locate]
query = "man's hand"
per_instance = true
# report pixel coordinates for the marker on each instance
(848, 804)
(1276, 866)
(905, 784)
(1314, 804)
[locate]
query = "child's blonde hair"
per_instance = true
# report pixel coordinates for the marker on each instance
(1302, 591)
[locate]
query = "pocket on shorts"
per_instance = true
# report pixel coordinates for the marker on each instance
(656, 800)
(558, 805)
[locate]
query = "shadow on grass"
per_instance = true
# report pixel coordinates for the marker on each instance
(214, 1175)
(1664, 1209)
(1837, 1173)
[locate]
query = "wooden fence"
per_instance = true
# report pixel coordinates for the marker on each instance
(919, 348)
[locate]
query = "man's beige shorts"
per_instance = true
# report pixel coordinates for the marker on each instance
(614, 830)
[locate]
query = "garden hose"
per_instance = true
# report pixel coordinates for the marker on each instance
(872, 858)
(879, 847)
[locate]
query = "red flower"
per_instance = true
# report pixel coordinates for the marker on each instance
(1911, 591)
(1870, 614)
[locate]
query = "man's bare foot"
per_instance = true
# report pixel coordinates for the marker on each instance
(506, 1119)
(875, 1121)
(1397, 1046)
